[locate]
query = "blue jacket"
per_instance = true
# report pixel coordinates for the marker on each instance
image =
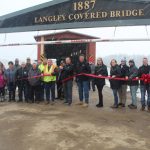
(10, 75)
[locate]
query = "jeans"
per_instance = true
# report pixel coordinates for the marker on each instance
(123, 94)
(68, 91)
(144, 89)
(50, 89)
(83, 89)
(133, 91)
(115, 93)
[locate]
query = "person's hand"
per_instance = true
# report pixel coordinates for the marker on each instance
(126, 77)
(137, 77)
(113, 76)
(99, 75)
(130, 79)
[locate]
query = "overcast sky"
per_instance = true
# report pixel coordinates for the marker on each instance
(103, 49)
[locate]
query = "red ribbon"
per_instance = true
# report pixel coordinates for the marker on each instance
(99, 77)
(145, 77)
(39, 76)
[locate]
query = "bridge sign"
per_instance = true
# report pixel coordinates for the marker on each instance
(67, 14)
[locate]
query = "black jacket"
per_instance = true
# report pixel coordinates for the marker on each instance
(133, 73)
(143, 70)
(115, 71)
(100, 70)
(124, 73)
(28, 67)
(59, 75)
(68, 71)
(21, 74)
(83, 68)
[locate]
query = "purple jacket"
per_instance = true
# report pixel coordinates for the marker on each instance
(2, 81)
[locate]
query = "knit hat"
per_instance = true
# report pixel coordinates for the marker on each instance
(123, 59)
(131, 61)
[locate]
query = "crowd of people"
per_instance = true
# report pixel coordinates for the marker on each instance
(36, 81)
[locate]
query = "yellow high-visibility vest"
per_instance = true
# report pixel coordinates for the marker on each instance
(44, 69)
(41, 68)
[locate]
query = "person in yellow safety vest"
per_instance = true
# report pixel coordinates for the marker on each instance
(41, 68)
(49, 79)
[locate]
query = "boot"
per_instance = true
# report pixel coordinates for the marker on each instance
(148, 108)
(47, 102)
(79, 103)
(123, 105)
(99, 105)
(120, 104)
(132, 106)
(85, 105)
(142, 108)
(52, 103)
(114, 106)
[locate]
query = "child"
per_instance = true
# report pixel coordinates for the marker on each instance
(2, 86)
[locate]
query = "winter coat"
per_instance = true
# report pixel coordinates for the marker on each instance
(16, 67)
(115, 71)
(68, 71)
(22, 73)
(124, 73)
(143, 70)
(83, 68)
(133, 73)
(34, 81)
(100, 70)
(10, 75)
(2, 81)
(28, 67)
